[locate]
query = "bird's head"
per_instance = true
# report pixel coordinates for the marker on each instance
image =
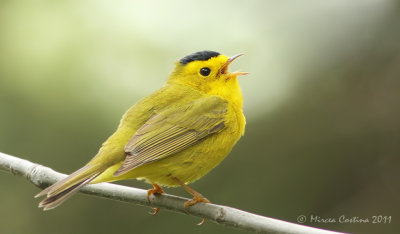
(207, 71)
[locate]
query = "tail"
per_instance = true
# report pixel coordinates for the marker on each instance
(63, 189)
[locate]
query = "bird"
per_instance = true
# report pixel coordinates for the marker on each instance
(172, 137)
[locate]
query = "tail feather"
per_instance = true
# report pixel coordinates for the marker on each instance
(63, 189)
(65, 183)
(55, 200)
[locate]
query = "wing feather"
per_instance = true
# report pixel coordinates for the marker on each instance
(173, 130)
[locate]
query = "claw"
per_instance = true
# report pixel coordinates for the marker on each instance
(155, 211)
(202, 222)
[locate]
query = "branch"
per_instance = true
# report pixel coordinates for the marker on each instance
(43, 176)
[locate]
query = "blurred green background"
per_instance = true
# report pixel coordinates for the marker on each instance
(322, 102)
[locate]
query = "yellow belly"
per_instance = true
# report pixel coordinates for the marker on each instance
(188, 165)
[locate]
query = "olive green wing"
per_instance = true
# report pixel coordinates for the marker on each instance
(174, 129)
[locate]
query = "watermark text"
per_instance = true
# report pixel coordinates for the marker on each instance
(374, 219)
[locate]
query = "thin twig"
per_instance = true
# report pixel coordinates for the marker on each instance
(43, 176)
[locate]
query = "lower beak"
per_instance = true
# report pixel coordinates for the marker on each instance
(224, 68)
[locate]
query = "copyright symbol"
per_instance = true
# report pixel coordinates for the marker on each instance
(301, 219)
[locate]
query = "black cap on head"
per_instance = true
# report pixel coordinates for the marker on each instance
(201, 55)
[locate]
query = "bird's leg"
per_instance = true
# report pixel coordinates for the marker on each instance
(197, 197)
(156, 190)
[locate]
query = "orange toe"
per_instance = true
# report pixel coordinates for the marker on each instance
(156, 190)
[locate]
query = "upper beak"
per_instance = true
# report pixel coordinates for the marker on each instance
(224, 68)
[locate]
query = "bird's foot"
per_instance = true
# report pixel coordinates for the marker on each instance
(197, 197)
(156, 190)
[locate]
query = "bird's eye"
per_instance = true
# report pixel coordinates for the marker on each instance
(205, 71)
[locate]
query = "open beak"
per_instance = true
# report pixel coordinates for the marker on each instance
(224, 68)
